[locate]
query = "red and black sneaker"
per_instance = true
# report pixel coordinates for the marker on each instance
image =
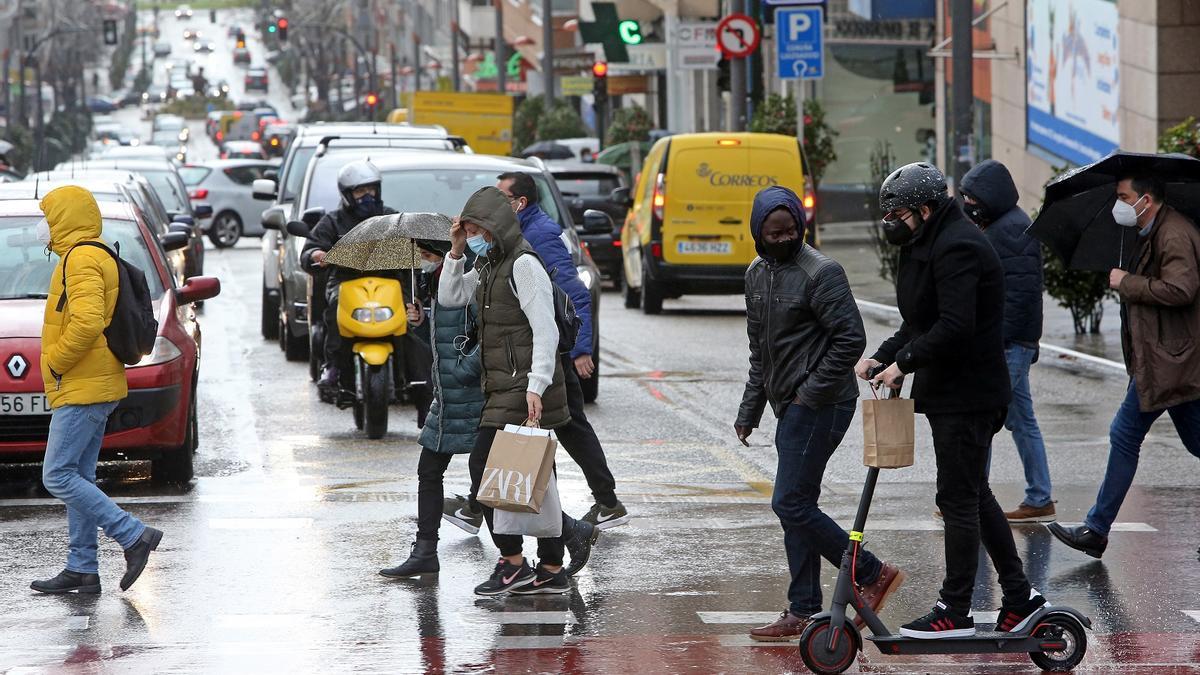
(1013, 618)
(942, 622)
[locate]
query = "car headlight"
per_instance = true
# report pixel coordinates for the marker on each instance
(383, 313)
(135, 142)
(164, 351)
(585, 275)
(362, 315)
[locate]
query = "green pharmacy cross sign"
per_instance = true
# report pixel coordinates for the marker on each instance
(487, 67)
(609, 30)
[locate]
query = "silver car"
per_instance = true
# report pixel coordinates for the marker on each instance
(226, 184)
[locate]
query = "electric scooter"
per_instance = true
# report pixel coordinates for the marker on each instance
(1053, 636)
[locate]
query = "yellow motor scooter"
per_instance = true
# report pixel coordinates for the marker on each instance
(371, 315)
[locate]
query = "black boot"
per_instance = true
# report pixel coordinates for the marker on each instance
(422, 560)
(68, 581)
(137, 555)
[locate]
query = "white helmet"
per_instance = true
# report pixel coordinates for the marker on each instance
(355, 175)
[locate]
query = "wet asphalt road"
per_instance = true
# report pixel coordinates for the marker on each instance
(270, 556)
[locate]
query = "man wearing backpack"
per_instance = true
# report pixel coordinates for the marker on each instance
(84, 381)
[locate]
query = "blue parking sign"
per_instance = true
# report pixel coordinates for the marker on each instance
(800, 42)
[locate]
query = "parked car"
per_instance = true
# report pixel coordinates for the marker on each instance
(588, 191)
(158, 420)
(257, 79)
(242, 150)
(226, 184)
(101, 104)
(241, 56)
(283, 188)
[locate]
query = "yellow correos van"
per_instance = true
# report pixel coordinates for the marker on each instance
(688, 228)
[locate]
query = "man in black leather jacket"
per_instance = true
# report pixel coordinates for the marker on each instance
(805, 336)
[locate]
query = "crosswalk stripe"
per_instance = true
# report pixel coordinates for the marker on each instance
(260, 523)
(744, 640)
(738, 617)
(530, 642)
(74, 622)
(1193, 613)
(523, 618)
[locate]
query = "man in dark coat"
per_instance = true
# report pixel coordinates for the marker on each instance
(1160, 321)
(805, 336)
(950, 290)
(990, 200)
(360, 185)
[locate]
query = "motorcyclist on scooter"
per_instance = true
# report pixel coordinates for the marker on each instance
(360, 185)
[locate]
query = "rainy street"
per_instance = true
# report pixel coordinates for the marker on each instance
(270, 557)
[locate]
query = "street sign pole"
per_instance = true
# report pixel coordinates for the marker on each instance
(737, 80)
(548, 51)
(962, 94)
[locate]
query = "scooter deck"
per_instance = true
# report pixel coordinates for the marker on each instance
(990, 642)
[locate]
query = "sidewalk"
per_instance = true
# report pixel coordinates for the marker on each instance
(849, 244)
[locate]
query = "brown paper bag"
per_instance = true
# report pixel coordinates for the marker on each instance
(889, 432)
(518, 469)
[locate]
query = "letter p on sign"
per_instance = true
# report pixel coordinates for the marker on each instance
(798, 25)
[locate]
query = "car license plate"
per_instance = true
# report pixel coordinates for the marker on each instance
(705, 247)
(24, 404)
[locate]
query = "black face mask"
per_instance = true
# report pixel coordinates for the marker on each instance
(898, 233)
(977, 213)
(781, 250)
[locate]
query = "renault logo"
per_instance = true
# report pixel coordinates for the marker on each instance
(17, 366)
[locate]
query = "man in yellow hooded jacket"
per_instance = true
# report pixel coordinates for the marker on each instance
(84, 383)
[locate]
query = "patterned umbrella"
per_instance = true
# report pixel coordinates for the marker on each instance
(386, 242)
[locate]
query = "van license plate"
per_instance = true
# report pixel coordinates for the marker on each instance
(705, 247)
(24, 404)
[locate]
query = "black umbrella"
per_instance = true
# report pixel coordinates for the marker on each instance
(1076, 221)
(548, 150)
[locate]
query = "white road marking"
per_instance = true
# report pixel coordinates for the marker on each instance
(522, 618)
(530, 642)
(738, 617)
(744, 640)
(259, 523)
(1193, 613)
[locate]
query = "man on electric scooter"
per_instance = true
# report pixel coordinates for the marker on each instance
(950, 291)
(360, 185)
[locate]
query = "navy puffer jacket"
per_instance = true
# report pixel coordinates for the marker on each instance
(453, 419)
(1005, 225)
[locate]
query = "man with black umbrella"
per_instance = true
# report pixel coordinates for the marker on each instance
(1160, 321)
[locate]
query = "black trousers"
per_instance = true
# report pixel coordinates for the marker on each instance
(579, 440)
(961, 443)
(430, 470)
(550, 549)
(337, 351)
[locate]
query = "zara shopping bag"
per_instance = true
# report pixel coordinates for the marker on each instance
(889, 432)
(545, 523)
(519, 467)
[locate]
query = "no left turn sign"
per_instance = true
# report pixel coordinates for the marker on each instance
(738, 36)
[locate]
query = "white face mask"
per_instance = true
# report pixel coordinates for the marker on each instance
(1126, 214)
(429, 267)
(42, 231)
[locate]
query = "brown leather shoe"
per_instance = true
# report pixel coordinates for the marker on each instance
(1031, 514)
(875, 595)
(787, 627)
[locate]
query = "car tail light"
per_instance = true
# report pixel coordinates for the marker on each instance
(660, 197)
(198, 193)
(810, 205)
(254, 136)
(656, 249)
(164, 350)
(220, 136)
(729, 142)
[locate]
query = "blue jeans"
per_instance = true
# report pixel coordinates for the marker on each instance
(1024, 427)
(69, 473)
(1125, 436)
(805, 440)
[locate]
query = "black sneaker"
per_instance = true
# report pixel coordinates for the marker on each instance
(507, 577)
(604, 517)
(1013, 618)
(579, 542)
(940, 623)
(546, 582)
(457, 511)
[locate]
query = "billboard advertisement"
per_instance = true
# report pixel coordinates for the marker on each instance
(1072, 90)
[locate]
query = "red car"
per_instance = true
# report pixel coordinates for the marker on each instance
(157, 421)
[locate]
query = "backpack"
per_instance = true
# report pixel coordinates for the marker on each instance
(565, 317)
(133, 328)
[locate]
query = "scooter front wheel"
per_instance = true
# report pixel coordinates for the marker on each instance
(1068, 640)
(815, 650)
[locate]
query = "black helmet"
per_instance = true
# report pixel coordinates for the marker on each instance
(912, 186)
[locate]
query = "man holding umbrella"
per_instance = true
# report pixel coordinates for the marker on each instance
(1160, 320)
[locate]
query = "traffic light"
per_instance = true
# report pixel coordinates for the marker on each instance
(110, 32)
(600, 95)
(283, 26)
(372, 101)
(723, 75)
(272, 27)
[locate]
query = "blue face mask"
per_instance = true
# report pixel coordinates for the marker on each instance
(369, 205)
(479, 245)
